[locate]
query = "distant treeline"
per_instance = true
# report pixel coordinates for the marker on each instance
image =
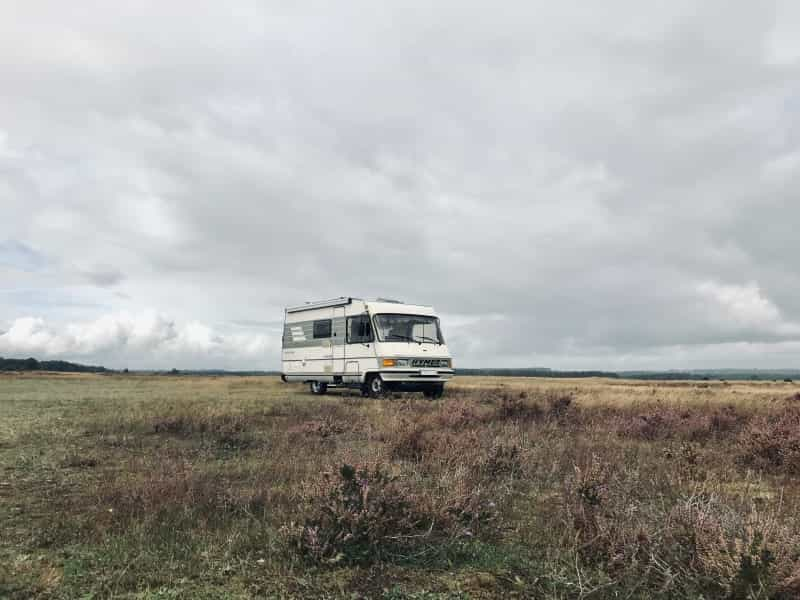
(721, 375)
(31, 364)
(532, 373)
(206, 372)
(718, 374)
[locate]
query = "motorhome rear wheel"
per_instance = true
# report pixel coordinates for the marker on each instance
(318, 387)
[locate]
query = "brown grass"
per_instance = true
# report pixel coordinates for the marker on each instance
(533, 488)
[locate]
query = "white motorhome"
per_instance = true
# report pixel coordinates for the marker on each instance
(375, 345)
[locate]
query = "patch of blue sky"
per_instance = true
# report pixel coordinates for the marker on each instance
(21, 257)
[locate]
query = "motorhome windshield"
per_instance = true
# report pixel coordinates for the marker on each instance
(408, 328)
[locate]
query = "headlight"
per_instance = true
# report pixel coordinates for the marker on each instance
(401, 362)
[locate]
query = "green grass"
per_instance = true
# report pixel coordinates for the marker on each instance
(185, 487)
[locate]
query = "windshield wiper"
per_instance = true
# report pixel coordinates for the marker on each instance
(401, 337)
(425, 338)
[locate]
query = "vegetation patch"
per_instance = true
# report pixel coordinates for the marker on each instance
(247, 487)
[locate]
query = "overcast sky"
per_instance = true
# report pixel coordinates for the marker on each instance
(605, 185)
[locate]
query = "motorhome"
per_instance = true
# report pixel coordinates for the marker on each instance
(372, 345)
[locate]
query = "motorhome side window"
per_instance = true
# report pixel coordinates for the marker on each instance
(322, 328)
(359, 330)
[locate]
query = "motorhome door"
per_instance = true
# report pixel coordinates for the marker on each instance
(339, 340)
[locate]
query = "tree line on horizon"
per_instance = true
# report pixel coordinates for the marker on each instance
(31, 364)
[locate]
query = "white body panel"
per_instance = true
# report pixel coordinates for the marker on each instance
(340, 359)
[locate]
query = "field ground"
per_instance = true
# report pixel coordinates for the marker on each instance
(234, 487)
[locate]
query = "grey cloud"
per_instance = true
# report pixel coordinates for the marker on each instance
(581, 186)
(103, 275)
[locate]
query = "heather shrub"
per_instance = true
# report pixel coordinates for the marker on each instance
(731, 554)
(465, 506)
(79, 460)
(193, 424)
(176, 486)
(517, 408)
(649, 427)
(558, 405)
(726, 420)
(773, 443)
(324, 428)
(458, 414)
(502, 459)
(408, 441)
(665, 423)
(586, 494)
(359, 515)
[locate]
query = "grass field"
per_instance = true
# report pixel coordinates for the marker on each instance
(233, 487)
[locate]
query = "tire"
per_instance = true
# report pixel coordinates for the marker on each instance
(375, 387)
(434, 392)
(318, 388)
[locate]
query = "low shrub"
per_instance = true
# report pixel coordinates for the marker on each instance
(671, 423)
(502, 459)
(458, 414)
(175, 486)
(359, 515)
(79, 460)
(517, 408)
(772, 443)
(189, 424)
(324, 428)
(558, 405)
(408, 441)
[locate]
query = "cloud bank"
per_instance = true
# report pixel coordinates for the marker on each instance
(137, 340)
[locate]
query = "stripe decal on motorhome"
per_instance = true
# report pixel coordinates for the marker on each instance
(300, 334)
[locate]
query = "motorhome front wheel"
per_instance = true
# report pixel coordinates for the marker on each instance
(375, 386)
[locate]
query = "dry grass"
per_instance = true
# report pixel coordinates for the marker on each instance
(162, 487)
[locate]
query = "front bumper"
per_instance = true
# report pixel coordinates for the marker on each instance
(420, 376)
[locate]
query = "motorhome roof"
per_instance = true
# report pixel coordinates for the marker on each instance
(341, 301)
(381, 304)
(377, 307)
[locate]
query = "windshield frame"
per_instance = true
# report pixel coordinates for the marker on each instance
(379, 334)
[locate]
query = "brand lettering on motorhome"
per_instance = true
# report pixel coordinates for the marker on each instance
(430, 362)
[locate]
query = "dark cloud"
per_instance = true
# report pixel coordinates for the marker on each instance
(570, 186)
(103, 275)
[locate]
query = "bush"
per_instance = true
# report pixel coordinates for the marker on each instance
(324, 428)
(516, 408)
(502, 459)
(359, 515)
(773, 443)
(669, 423)
(408, 442)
